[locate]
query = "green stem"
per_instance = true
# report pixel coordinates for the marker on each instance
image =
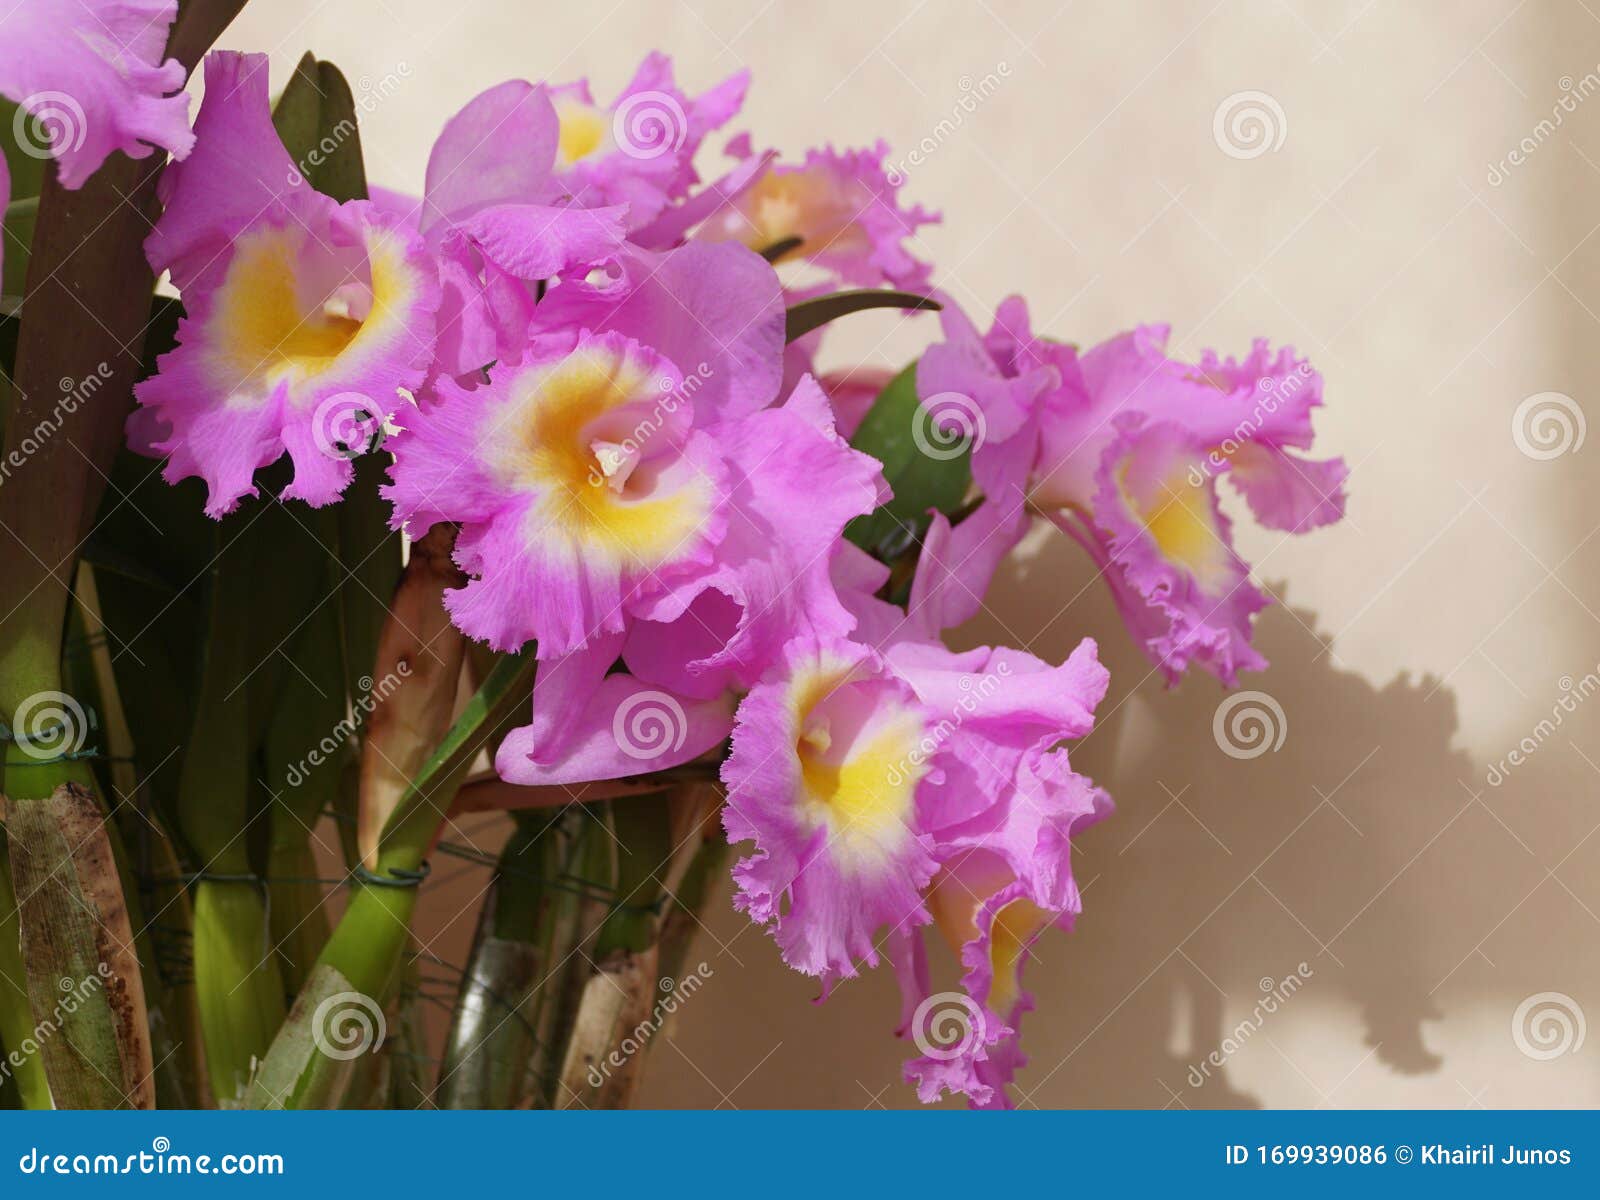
(241, 1002)
(299, 921)
(367, 943)
(360, 965)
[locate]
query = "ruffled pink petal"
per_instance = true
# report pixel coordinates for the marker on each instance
(492, 262)
(833, 866)
(470, 322)
(957, 564)
(670, 228)
(538, 241)
(1198, 610)
(969, 1044)
(498, 149)
(1004, 389)
(261, 369)
(92, 76)
(643, 145)
(857, 578)
(793, 486)
(688, 653)
(627, 728)
(1266, 399)
(1285, 491)
(716, 311)
(563, 689)
(556, 545)
(238, 173)
(846, 210)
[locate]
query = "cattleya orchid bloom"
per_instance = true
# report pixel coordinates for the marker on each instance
(584, 474)
(969, 1041)
(823, 778)
(1122, 447)
(874, 783)
(528, 184)
(639, 150)
(304, 317)
(839, 207)
(496, 217)
(565, 509)
(92, 79)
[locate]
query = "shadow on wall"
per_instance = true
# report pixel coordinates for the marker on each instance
(1230, 887)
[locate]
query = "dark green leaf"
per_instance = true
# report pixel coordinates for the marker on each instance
(896, 432)
(817, 312)
(27, 176)
(369, 552)
(316, 120)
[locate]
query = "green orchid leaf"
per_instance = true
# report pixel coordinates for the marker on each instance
(924, 468)
(316, 120)
(817, 312)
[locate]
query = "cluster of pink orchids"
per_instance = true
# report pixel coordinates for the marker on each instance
(573, 350)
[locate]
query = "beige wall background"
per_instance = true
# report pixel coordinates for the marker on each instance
(1417, 642)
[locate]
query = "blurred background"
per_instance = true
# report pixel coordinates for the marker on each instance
(1407, 192)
